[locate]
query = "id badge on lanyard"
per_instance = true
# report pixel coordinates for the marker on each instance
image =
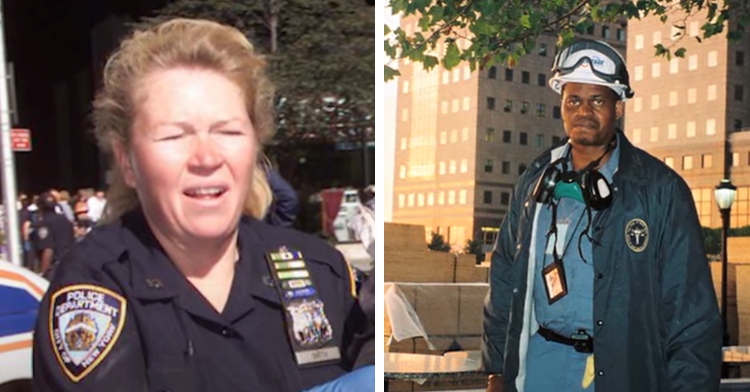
(310, 332)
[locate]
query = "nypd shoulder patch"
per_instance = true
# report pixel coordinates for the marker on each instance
(636, 235)
(85, 322)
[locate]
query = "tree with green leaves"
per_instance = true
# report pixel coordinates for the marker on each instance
(438, 244)
(501, 31)
(321, 55)
(474, 247)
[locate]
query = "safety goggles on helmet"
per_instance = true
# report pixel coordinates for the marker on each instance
(593, 62)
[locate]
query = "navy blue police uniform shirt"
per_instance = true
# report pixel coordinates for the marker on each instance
(144, 327)
(54, 231)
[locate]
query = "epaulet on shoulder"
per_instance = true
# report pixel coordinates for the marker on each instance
(313, 248)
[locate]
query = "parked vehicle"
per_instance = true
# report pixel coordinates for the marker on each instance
(20, 293)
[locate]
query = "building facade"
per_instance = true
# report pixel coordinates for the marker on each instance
(693, 112)
(463, 138)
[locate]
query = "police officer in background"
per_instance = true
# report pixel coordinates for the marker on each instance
(183, 287)
(53, 233)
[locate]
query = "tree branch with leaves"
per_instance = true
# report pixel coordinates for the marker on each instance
(501, 31)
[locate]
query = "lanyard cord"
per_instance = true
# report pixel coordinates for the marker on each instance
(553, 230)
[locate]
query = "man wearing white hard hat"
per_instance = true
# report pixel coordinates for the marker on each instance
(599, 281)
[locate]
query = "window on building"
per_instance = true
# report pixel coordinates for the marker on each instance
(492, 73)
(525, 77)
(655, 70)
(491, 103)
(693, 62)
(523, 138)
(637, 135)
(504, 198)
(487, 197)
(687, 162)
(401, 200)
(402, 172)
(464, 165)
(410, 200)
(692, 95)
(739, 58)
(674, 65)
(735, 159)
(638, 72)
(462, 196)
(639, 41)
(539, 141)
(690, 130)
(556, 112)
(441, 167)
(430, 199)
(738, 92)
(452, 167)
(655, 102)
(506, 167)
(506, 136)
(542, 49)
(711, 92)
(489, 134)
(541, 110)
(711, 127)
(508, 75)
(669, 161)
(488, 166)
(605, 32)
(420, 200)
(621, 35)
(707, 161)
(508, 107)
(713, 58)
(489, 235)
(441, 198)
(737, 125)
(451, 197)
(541, 80)
(524, 107)
(521, 169)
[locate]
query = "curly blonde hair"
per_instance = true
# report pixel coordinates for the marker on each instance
(181, 43)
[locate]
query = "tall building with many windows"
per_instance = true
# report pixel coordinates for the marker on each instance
(463, 138)
(693, 112)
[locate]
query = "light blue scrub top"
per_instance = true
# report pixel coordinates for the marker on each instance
(553, 366)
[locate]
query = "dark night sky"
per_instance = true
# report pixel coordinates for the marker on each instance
(49, 41)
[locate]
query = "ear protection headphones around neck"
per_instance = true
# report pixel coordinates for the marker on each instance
(588, 186)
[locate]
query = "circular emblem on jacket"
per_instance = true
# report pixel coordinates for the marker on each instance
(636, 235)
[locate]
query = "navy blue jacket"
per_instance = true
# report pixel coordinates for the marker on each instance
(657, 325)
(170, 338)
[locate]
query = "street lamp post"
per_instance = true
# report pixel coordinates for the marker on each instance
(724, 193)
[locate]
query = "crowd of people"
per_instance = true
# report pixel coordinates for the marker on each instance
(52, 221)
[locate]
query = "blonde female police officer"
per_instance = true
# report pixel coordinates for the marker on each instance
(185, 289)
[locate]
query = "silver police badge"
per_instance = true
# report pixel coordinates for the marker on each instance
(85, 322)
(636, 235)
(310, 324)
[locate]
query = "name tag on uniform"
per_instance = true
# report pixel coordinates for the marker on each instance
(310, 332)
